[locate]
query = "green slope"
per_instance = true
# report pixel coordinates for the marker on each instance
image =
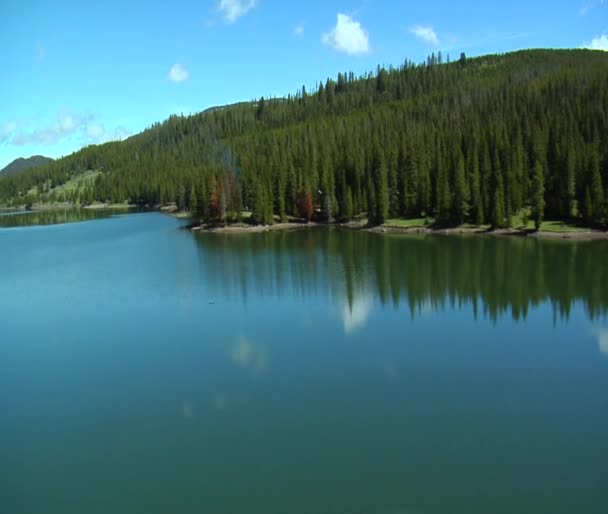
(474, 140)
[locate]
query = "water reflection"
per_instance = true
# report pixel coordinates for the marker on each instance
(250, 356)
(55, 216)
(187, 410)
(495, 276)
(602, 340)
(356, 314)
(223, 401)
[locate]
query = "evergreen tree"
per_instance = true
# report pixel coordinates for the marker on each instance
(444, 203)
(194, 206)
(349, 209)
(538, 195)
(460, 208)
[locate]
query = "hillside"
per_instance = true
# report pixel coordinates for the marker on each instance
(20, 165)
(470, 141)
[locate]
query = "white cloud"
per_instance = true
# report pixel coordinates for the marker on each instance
(178, 73)
(347, 36)
(7, 130)
(97, 133)
(592, 4)
(598, 43)
(298, 31)
(232, 10)
(426, 34)
(65, 125)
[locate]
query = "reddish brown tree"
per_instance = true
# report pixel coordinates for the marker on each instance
(217, 201)
(305, 204)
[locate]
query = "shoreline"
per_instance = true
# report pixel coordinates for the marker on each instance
(252, 229)
(583, 235)
(244, 228)
(68, 207)
(502, 232)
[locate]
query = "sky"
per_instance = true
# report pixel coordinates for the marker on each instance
(79, 73)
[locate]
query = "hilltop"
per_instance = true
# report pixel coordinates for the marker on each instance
(21, 164)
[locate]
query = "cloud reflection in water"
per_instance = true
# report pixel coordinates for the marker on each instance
(248, 355)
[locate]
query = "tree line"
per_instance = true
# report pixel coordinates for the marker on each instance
(466, 141)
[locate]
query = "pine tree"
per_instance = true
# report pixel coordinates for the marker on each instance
(569, 207)
(442, 213)
(588, 214)
(380, 179)
(597, 190)
(349, 210)
(194, 206)
(460, 208)
(537, 199)
(476, 201)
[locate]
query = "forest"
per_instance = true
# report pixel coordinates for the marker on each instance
(471, 140)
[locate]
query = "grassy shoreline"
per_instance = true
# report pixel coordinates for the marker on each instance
(549, 229)
(414, 226)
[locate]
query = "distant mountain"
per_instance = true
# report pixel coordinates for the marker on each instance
(19, 165)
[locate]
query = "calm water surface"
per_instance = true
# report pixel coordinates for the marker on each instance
(55, 216)
(147, 370)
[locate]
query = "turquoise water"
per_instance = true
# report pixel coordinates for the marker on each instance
(147, 370)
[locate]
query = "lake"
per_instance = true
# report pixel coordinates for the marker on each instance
(144, 369)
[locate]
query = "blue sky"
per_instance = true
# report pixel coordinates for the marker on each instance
(77, 73)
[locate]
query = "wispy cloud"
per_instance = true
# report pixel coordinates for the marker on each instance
(232, 10)
(84, 128)
(348, 36)
(97, 133)
(592, 4)
(65, 125)
(598, 43)
(298, 31)
(7, 130)
(426, 34)
(178, 73)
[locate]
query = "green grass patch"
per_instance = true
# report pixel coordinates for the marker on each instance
(407, 223)
(522, 221)
(79, 182)
(475, 227)
(559, 226)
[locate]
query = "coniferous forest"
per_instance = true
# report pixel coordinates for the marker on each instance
(457, 141)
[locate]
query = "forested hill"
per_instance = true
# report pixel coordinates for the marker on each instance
(472, 140)
(20, 165)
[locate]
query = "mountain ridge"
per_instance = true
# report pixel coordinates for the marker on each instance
(22, 164)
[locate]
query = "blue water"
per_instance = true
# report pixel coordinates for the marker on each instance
(144, 369)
